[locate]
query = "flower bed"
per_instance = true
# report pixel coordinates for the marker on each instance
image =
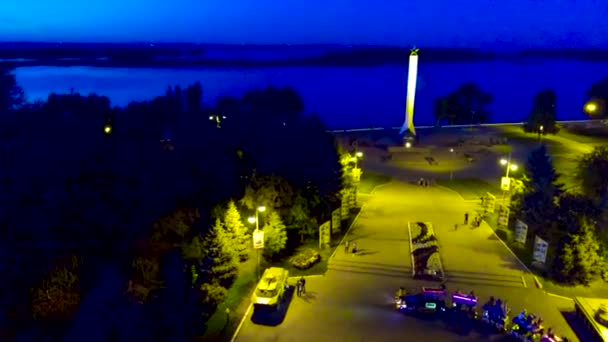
(306, 260)
(425, 252)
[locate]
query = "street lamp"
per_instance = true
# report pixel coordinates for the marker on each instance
(356, 172)
(590, 107)
(218, 119)
(509, 166)
(408, 144)
(256, 219)
(452, 164)
(541, 130)
(107, 129)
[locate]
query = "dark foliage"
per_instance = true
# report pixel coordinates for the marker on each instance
(126, 190)
(465, 106)
(542, 117)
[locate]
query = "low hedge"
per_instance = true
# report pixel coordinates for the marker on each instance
(306, 259)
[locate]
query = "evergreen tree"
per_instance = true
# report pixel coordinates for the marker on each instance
(541, 174)
(592, 169)
(219, 263)
(586, 253)
(275, 235)
(563, 264)
(11, 94)
(237, 231)
(539, 202)
(543, 113)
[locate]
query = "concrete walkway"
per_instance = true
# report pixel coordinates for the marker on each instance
(353, 301)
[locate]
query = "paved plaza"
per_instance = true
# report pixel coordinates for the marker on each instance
(353, 301)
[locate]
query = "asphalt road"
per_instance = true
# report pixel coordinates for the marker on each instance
(353, 301)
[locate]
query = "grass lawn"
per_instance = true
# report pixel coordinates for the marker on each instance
(470, 188)
(370, 180)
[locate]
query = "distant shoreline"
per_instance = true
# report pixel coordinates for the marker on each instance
(15, 55)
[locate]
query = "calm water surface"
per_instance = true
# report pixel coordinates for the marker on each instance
(344, 97)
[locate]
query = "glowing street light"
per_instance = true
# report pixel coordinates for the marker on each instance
(256, 219)
(509, 166)
(107, 129)
(408, 144)
(452, 164)
(591, 107)
(218, 119)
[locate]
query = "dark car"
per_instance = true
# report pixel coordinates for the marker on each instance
(423, 303)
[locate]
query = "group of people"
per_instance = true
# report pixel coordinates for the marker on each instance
(423, 182)
(301, 286)
(475, 223)
(352, 248)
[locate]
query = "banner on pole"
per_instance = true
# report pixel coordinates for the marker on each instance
(258, 239)
(345, 205)
(336, 220)
(503, 216)
(521, 232)
(357, 175)
(490, 203)
(324, 234)
(505, 183)
(540, 250)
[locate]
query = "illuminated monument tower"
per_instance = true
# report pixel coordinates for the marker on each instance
(412, 75)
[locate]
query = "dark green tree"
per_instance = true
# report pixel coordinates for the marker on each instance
(275, 235)
(299, 217)
(591, 171)
(598, 94)
(543, 113)
(274, 192)
(12, 96)
(467, 105)
(219, 262)
(233, 223)
(539, 201)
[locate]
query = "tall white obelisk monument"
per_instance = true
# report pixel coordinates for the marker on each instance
(412, 77)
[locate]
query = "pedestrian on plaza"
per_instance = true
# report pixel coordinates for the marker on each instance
(303, 289)
(299, 287)
(354, 248)
(466, 218)
(346, 245)
(456, 227)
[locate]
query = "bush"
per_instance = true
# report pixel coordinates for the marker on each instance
(306, 260)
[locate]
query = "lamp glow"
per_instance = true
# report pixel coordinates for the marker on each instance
(359, 154)
(251, 219)
(408, 144)
(107, 129)
(503, 161)
(261, 208)
(514, 167)
(590, 107)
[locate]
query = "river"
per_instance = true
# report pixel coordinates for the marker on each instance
(344, 97)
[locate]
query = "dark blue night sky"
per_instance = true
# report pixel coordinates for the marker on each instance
(441, 23)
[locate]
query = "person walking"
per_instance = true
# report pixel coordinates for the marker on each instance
(466, 218)
(354, 248)
(346, 245)
(303, 289)
(299, 287)
(456, 227)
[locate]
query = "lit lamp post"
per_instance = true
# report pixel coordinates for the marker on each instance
(408, 144)
(590, 107)
(541, 130)
(452, 164)
(356, 172)
(506, 181)
(258, 235)
(218, 119)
